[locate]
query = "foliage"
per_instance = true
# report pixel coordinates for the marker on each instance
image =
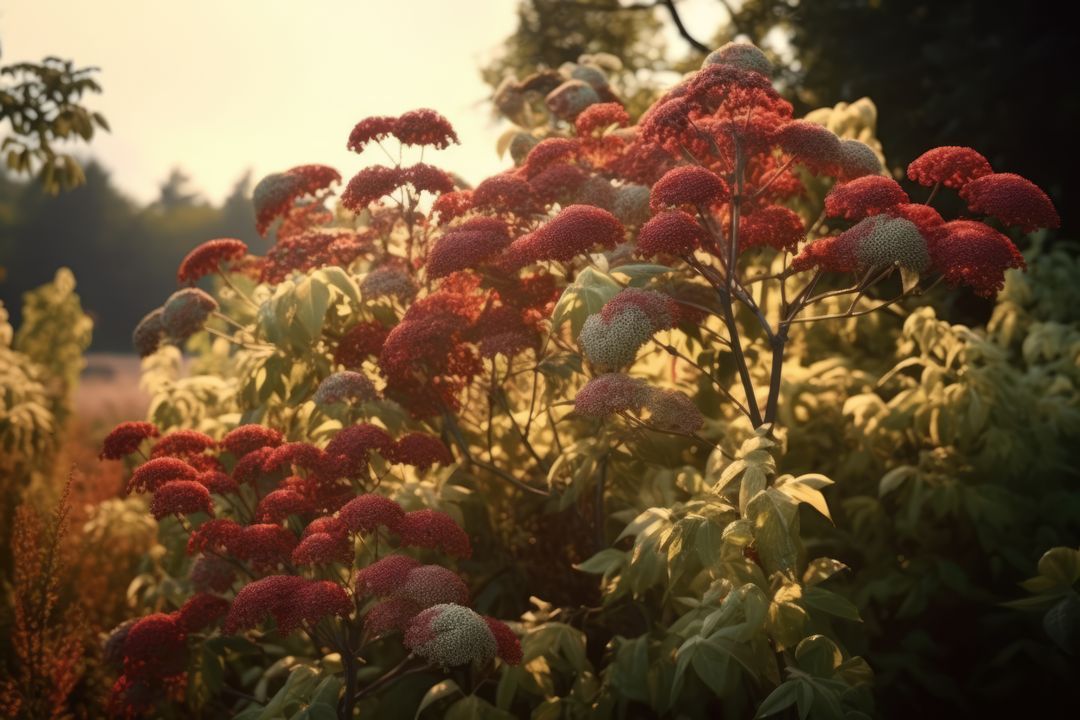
(42, 103)
(620, 391)
(47, 638)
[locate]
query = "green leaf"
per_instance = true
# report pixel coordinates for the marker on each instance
(641, 274)
(817, 655)
(894, 479)
(806, 489)
(772, 532)
(1061, 565)
(436, 692)
(475, 708)
(831, 603)
(821, 569)
(784, 696)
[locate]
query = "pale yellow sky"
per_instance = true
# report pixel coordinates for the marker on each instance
(217, 86)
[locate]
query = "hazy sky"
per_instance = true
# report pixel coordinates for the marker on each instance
(217, 86)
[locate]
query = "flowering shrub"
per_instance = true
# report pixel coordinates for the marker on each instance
(573, 385)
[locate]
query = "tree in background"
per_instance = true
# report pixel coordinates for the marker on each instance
(940, 73)
(42, 104)
(101, 235)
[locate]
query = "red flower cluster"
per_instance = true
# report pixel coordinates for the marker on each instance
(672, 232)
(419, 450)
(416, 127)
(362, 341)
(434, 530)
(599, 117)
(275, 194)
(952, 166)
(209, 258)
(154, 473)
(573, 232)
(181, 497)
(182, 444)
(467, 246)
(125, 439)
(1012, 199)
(690, 185)
(247, 438)
(313, 249)
(865, 196)
(290, 600)
(976, 255)
(772, 226)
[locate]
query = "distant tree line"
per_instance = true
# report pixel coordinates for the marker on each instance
(122, 253)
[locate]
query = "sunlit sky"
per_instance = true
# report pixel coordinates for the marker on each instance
(219, 86)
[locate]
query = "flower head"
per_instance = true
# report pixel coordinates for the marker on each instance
(263, 545)
(125, 439)
(466, 246)
(671, 232)
(1012, 199)
(181, 497)
(215, 536)
(772, 226)
(424, 127)
(388, 281)
(362, 341)
(435, 530)
(419, 450)
(548, 152)
(209, 258)
(976, 255)
(952, 166)
(345, 386)
(246, 438)
(370, 184)
(892, 240)
(673, 410)
(155, 646)
(275, 194)
(148, 334)
(370, 129)
(200, 611)
(186, 311)
(614, 342)
(155, 472)
(450, 635)
(384, 576)
(280, 504)
(741, 55)
(365, 513)
(599, 117)
(429, 585)
(609, 394)
(688, 185)
(631, 204)
(181, 443)
(573, 232)
(857, 159)
(813, 145)
(572, 97)
(275, 595)
(393, 613)
(864, 196)
(505, 193)
(320, 548)
(506, 641)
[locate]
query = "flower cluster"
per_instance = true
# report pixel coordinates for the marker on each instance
(274, 196)
(209, 257)
(416, 127)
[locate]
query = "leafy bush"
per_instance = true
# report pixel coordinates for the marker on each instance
(607, 383)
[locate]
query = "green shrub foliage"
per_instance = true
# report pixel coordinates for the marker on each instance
(667, 395)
